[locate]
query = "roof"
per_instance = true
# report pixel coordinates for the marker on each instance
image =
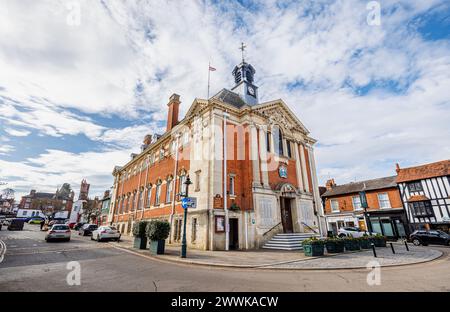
(417, 198)
(230, 97)
(355, 187)
(437, 169)
(41, 195)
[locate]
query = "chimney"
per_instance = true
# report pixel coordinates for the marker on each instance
(330, 184)
(147, 141)
(397, 168)
(174, 107)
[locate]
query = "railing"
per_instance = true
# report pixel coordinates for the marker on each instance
(278, 224)
(310, 227)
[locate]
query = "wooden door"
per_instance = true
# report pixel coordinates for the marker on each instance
(286, 215)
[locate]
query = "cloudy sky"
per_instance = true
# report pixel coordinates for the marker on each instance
(79, 91)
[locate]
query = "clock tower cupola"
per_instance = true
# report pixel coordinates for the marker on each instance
(244, 75)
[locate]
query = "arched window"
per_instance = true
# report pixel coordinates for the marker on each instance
(158, 193)
(169, 189)
(278, 140)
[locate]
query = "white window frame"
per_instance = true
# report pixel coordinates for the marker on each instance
(232, 185)
(380, 201)
(158, 195)
(169, 190)
(359, 202)
(337, 205)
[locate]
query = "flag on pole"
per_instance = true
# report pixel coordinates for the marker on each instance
(212, 68)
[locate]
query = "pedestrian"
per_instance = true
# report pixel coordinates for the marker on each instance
(42, 223)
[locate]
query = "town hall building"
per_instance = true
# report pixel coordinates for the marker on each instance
(251, 165)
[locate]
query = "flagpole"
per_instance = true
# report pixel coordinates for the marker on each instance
(209, 78)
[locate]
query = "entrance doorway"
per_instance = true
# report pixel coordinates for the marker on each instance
(234, 234)
(286, 214)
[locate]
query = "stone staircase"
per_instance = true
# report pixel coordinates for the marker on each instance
(288, 241)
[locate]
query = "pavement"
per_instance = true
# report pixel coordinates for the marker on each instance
(291, 260)
(31, 264)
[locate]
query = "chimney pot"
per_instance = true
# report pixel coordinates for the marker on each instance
(330, 184)
(397, 167)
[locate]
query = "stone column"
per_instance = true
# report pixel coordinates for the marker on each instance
(254, 154)
(263, 155)
(298, 168)
(303, 163)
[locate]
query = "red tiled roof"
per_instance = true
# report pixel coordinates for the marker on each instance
(417, 198)
(437, 169)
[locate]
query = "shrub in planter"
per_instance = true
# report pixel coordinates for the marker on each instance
(140, 239)
(157, 232)
(379, 240)
(351, 244)
(364, 242)
(334, 245)
(313, 247)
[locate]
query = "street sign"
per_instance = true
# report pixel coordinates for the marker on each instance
(189, 202)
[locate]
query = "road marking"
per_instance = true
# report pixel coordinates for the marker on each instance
(2, 250)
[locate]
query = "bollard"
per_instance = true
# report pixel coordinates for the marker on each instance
(406, 245)
(374, 251)
(392, 247)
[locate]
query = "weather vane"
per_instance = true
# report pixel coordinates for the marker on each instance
(242, 48)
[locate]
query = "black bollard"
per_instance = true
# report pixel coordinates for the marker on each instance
(374, 251)
(406, 245)
(392, 247)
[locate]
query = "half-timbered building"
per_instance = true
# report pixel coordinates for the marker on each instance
(425, 192)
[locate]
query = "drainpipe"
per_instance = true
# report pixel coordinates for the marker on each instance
(147, 161)
(174, 186)
(225, 196)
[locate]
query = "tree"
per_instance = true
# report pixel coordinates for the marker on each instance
(91, 209)
(8, 193)
(48, 206)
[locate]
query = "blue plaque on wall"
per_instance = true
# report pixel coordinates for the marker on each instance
(283, 172)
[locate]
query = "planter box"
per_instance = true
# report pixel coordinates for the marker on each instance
(379, 242)
(365, 244)
(313, 250)
(157, 247)
(352, 245)
(140, 242)
(333, 247)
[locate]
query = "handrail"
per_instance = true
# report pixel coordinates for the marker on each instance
(272, 228)
(309, 227)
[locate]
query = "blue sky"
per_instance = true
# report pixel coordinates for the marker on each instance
(77, 98)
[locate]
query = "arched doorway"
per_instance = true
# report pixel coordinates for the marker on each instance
(287, 195)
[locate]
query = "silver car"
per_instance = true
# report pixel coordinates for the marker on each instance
(106, 233)
(58, 232)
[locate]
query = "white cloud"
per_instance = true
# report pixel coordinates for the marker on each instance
(17, 133)
(6, 149)
(49, 67)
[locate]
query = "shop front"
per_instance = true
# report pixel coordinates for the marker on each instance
(393, 223)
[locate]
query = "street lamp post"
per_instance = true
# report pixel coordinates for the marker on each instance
(183, 242)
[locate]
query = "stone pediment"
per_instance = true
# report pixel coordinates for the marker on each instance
(278, 113)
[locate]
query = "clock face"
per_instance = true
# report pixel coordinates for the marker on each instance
(251, 90)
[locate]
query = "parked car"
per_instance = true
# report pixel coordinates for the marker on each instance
(36, 220)
(58, 232)
(87, 229)
(78, 226)
(353, 232)
(430, 237)
(16, 225)
(105, 233)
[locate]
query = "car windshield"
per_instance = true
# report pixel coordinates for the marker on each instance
(60, 227)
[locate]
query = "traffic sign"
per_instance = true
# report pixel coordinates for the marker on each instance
(189, 202)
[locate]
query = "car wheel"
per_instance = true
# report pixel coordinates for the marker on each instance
(98, 239)
(342, 235)
(416, 242)
(92, 237)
